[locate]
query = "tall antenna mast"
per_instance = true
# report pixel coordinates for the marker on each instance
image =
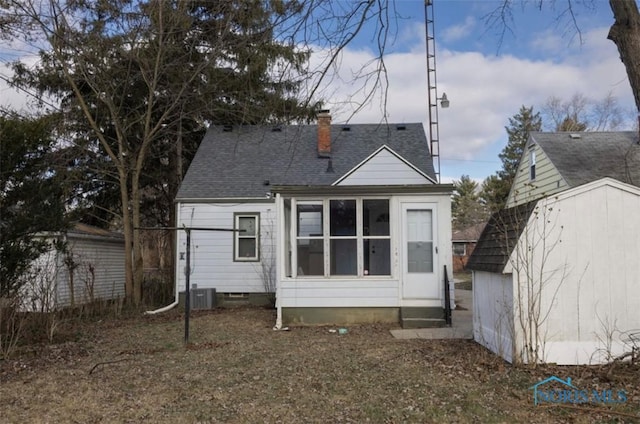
(432, 92)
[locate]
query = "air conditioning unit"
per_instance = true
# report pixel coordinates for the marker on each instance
(202, 298)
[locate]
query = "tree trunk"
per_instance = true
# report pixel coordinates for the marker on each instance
(138, 270)
(128, 235)
(625, 33)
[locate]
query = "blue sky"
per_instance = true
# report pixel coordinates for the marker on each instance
(486, 81)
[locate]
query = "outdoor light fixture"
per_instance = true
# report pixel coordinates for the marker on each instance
(444, 102)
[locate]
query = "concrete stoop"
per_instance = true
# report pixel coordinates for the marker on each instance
(419, 317)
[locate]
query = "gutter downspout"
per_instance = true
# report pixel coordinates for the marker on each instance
(279, 255)
(177, 259)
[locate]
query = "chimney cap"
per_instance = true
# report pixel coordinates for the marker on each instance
(324, 112)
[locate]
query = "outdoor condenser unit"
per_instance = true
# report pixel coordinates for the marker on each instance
(202, 298)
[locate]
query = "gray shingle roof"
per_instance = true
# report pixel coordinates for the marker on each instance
(499, 238)
(237, 163)
(593, 155)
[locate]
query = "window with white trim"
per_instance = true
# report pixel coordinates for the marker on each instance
(532, 163)
(246, 246)
(342, 237)
(459, 249)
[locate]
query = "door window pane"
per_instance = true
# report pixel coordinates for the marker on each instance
(419, 241)
(344, 258)
(377, 256)
(343, 217)
(420, 256)
(375, 217)
(419, 227)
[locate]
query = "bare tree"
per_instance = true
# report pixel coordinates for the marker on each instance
(580, 113)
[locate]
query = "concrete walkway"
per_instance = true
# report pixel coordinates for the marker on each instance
(461, 328)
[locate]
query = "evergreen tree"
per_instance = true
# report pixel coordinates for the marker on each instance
(495, 189)
(32, 196)
(520, 125)
(466, 207)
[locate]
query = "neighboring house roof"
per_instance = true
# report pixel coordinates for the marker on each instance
(469, 234)
(80, 228)
(582, 157)
(499, 237)
(245, 161)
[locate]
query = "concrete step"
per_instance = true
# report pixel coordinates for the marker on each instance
(422, 322)
(422, 317)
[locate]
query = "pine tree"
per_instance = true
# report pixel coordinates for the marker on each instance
(495, 189)
(31, 196)
(466, 207)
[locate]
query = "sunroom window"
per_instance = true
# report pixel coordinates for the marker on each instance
(310, 238)
(376, 237)
(343, 237)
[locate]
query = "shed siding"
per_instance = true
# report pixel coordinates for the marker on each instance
(590, 273)
(99, 272)
(212, 264)
(385, 168)
(38, 294)
(548, 180)
(493, 312)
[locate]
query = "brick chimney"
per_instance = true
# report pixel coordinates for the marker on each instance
(324, 132)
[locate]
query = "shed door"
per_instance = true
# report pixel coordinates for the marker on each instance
(420, 251)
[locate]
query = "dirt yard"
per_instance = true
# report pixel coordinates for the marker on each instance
(237, 369)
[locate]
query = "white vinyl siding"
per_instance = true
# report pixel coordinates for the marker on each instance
(547, 178)
(384, 168)
(212, 252)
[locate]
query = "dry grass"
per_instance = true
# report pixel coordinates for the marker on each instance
(237, 369)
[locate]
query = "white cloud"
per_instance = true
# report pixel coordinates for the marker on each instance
(460, 31)
(485, 91)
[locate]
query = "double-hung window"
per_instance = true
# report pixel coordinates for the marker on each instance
(247, 239)
(342, 237)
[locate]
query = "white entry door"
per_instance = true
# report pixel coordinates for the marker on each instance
(420, 252)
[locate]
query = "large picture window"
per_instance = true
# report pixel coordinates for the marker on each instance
(343, 237)
(247, 240)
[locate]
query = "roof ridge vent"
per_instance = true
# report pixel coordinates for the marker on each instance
(401, 127)
(574, 136)
(346, 128)
(227, 128)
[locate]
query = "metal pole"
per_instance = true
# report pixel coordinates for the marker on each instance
(187, 298)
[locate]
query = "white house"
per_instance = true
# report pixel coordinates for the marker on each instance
(344, 222)
(555, 275)
(91, 268)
